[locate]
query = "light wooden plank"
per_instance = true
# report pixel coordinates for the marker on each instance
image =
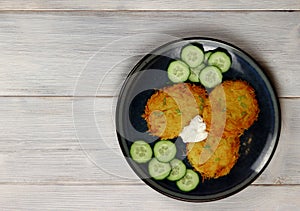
(139, 197)
(146, 5)
(45, 54)
(39, 143)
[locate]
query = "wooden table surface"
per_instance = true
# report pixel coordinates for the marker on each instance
(61, 66)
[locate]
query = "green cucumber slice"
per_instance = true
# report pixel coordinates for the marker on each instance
(221, 60)
(210, 76)
(206, 56)
(192, 55)
(178, 170)
(141, 151)
(164, 150)
(189, 181)
(195, 71)
(178, 71)
(158, 170)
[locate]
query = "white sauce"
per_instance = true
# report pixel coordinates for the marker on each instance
(195, 131)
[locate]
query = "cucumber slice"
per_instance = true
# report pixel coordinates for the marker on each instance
(210, 76)
(141, 151)
(158, 170)
(178, 71)
(195, 71)
(189, 181)
(192, 55)
(206, 56)
(178, 170)
(164, 150)
(221, 60)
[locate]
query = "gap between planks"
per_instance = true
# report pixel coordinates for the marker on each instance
(25, 11)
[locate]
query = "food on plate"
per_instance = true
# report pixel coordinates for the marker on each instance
(195, 131)
(206, 56)
(215, 156)
(171, 108)
(189, 182)
(158, 170)
(210, 76)
(178, 170)
(220, 59)
(164, 150)
(209, 124)
(178, 71)
(163, 165)
(231, 108)
(195, 71)
(227, 112)
(140, 151)
(192, 55)
(196, 65)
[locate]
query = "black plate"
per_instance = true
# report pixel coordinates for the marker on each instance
(150, 74)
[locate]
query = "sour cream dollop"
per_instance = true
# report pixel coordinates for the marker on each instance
(195, 131)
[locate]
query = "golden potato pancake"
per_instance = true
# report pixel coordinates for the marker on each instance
(214, 157)
(228, 111)
(231, 108)
(170, 109)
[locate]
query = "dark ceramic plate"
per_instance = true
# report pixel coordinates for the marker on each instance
(150, 74)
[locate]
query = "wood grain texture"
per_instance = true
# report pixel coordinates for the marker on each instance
(39, 143)
(147, 5)
(59, 151)
(45, 54)
(140, 197)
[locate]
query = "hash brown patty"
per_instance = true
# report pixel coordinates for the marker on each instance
(214, 157)
(231, 108)
(171, 108)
